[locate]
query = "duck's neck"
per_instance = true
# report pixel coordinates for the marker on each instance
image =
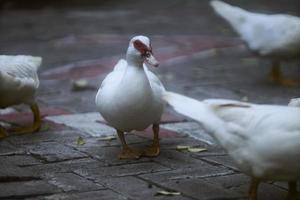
(134, 61)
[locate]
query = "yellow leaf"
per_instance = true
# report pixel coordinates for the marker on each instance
(107, 138)
(80, 141)
(182, 147)
(45, 127)
(167, 193)
(196, 149)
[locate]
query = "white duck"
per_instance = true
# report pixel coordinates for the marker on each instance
(130, 97)
(263, 140)
(275, 36)
(18, 84)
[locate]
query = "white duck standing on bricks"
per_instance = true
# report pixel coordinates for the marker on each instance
(274, 36)
(18, 85)
(130, 97)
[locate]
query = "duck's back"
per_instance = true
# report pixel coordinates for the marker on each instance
(18, 79)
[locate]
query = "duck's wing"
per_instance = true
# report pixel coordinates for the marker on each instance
(19, 71)
(153, 79)
(116, 75)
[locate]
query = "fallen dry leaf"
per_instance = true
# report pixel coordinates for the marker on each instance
(80, 141)
(196, 149)
(182, 147)
(45, 127)
(107, 138)
(168, 193)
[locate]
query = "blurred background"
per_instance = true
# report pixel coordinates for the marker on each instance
(200, 54)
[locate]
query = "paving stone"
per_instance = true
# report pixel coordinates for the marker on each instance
(176, 159)
(7, 149)
(54, 152)
(139, 189)
(63, 167)
(192, 129)
(92, 195)
(10, 190)
(69, 182)
(108, 154)
(86, 123)
(196, 170)
(240, 183)
(21, 160)
(97, 173)
(195, 188)
(60, 136)
(11, 172)
(222, 160)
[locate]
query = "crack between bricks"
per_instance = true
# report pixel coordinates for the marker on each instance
(204, 176)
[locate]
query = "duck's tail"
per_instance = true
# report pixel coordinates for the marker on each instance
(234, 15)
(197, 110)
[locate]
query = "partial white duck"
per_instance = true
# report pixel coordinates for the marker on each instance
(275, 36)
(295, 102)
(263, 140)
(18, 85)
(130, 97)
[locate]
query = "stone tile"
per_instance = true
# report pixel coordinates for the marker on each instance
(97, 173)
(11, 172)
(222, 160)
(25, 189)
(91, 195)
(69, 182)
(240, 183)
(9, 149)
(194, 188)
(177, 159)
(21, 160)
(54, 152)
(44, 170)
(192, 129)
(85, 122)
(109, 154)
(196, 169)
(139, 189)
(62, 136)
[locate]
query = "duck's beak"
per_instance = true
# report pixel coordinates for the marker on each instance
(151, 60)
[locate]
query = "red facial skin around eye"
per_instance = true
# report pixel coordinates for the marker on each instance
(141, 47)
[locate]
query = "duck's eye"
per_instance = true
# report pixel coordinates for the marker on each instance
(147, 54)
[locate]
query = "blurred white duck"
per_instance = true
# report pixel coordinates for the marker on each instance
(263, 140)
(130, 97)
(18, 84)
(275, 36)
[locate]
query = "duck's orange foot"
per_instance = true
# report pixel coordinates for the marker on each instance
(3, 133)
(129, 153)
(151, 151)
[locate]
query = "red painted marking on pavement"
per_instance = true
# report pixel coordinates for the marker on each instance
(180, 46)
(25, 118)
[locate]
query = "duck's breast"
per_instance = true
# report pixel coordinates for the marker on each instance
(128, 103)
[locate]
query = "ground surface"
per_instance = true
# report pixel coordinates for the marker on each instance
(74, 156)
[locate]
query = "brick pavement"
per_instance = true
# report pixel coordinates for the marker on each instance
(74, 156)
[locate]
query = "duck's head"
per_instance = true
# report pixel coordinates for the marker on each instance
(140, 50)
